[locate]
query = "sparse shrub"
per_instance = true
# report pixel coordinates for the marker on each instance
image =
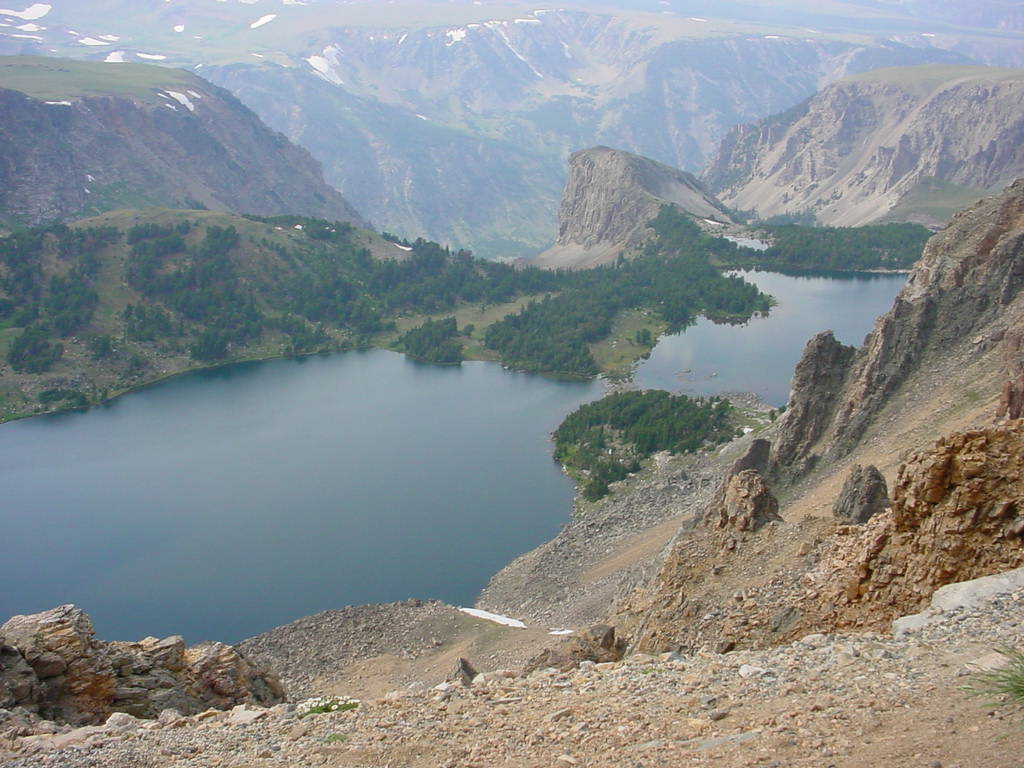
(1006, 681)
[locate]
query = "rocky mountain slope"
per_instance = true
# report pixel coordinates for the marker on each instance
(609, 198)
(82, 138)
(909, 144)
(453, 121)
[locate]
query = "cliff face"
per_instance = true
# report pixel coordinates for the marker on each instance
(609, 198)
(912, 144)
(177, 142)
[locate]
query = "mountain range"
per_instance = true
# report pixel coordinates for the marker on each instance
(454, 120)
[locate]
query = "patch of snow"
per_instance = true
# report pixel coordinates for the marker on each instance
(403, 38)
(927, 34)
(488, 616)
(115, 57)
(182, 99)
(72, 32)
(526, 21)
(92, 41)
(109, 38)
(33, 12)
(325, 67)
(151, 56)
(713, 222)
(30, 28)
(90, 177)
(496, 26)
(29, 37)
(455, 36)
(171, 106)
(299, 226)
(294, 2)
(195, 95)
(404, 248)
(772, 37)
(561, 632)
(58, 103)
(422, 117)
(698, 18)
(565, 50)
(263, 20)
(179, 27)
(257, 55)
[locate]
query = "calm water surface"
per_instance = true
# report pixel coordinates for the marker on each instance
(220, 504)
(759, 356)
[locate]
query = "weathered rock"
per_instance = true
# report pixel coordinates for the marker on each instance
(1011, 399)
(745, 504)
(463, 673)
(85, 689)
(65, 673)
(957, 514)
(863, 496)
(598, 644)
(817, 382)
(19, 684)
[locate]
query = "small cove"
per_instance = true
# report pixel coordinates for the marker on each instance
(222, 503)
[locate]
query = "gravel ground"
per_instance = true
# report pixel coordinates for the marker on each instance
(856, 700)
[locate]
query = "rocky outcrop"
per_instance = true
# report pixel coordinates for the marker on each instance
(864, 495)
(814, 393)
(959, 299)
(610, 197)
(53, 664)
(915, 144)
(957, 514)
(598, 644)
(162, 137)
(744, 504)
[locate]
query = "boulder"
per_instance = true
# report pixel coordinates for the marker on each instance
(864, 495)
(744, 504)
(598, 644)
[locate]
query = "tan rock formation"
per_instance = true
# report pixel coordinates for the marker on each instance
(745, 504)
(77, 678)
(957, 514)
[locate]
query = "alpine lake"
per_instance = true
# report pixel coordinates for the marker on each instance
(222, 503)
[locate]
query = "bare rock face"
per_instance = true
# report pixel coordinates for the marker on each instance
(817, 382)
(864, 495)
(65, 673)
(1011, 399)
(745, 504)
(909, 143)
(957, 514)
(610, 197)
(957, 296)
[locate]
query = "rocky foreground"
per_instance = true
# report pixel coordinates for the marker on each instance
(825, 700)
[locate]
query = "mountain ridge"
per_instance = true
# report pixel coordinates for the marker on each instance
(908, 144)
(89, 137)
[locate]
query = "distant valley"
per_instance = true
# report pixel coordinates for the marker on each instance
(454, 121)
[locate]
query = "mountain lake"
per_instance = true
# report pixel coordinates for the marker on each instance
(219, 504)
